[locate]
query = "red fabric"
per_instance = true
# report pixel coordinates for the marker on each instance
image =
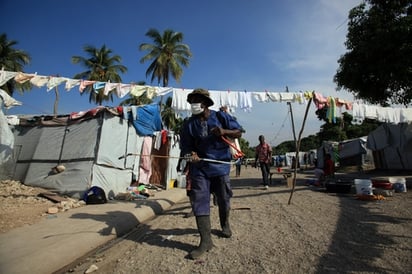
(120, 110)
(329, 168)
(164, 137)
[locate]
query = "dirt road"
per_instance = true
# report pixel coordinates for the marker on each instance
(318, 232)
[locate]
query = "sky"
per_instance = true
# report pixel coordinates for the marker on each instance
(236, 45)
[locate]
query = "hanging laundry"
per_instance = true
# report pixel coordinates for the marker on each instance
(6, 76)
(147, 120)
(274, 96)
(229, 99)
(287, 96)
(22, 78)
(319, 100)
(245, 101)
(108, 88)
(331, 112)
(98, 85)
(8, 101)
(145, 167)
(55, 81)
(71, 83)
(39, 81)
(84, 84)
(122, 90)
(261, 96)
(137, 90)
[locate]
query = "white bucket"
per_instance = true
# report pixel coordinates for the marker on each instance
(398, 184)
(181, 181)
(363, 187)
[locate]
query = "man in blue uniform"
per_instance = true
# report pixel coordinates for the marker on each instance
(201, 139)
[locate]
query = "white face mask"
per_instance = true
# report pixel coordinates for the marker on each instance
(196, 108)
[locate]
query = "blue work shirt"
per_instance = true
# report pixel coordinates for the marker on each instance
(197, 136)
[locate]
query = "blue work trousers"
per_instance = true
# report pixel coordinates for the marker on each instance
(202, 187)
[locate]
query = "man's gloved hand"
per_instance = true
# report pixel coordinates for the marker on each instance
(193, 157)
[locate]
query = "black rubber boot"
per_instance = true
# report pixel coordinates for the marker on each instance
(206, 244)
(224, 223)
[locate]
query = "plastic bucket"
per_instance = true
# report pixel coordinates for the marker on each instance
(363, 187)
(181, 181)
(398, 184)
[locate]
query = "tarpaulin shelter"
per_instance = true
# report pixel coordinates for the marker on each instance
(327, 147)
(101, 147)
(391, 145)
(353, 152)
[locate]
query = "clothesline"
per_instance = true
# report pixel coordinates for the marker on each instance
(230, 98)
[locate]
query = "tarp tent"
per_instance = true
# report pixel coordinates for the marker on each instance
(391, 145)
(353, 152)
(90, 148)
(327, 147)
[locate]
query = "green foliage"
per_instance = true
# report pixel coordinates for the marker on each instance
(343, 129)
(284, 147)
(248, 151)
(308, 143)
(378, 64)
(169, 118)
(12, 59)
(101, 66)
(167, 53)
(332, 132)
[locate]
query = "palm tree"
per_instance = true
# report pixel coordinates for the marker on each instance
(167, 53)
(101, 66)
(12, 59)
(169, 116)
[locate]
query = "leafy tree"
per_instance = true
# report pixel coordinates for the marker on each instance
(378, 64)
(309, 142)
(101, 66)
(332, 132)
(359, 130)
(306, 144)
(167, 53)
(282, 148)
(244, 146)
(343, 129)
(12, 59)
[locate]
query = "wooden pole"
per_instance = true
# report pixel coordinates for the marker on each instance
(298, 147)
(56, 101)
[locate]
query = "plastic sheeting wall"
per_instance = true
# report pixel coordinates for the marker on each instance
(114, 169)
(73, 146)
(392, 146)
(89, 151)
